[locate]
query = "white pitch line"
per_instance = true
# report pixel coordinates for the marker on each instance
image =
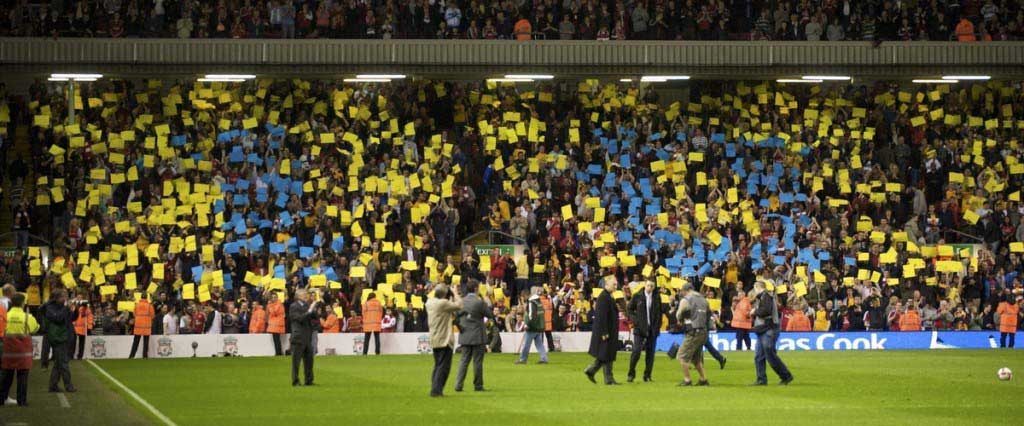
(64, 403)
(167, 421)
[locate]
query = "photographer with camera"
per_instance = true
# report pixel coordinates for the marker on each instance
(441, 312)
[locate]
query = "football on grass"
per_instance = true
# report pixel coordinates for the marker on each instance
(1004, 374)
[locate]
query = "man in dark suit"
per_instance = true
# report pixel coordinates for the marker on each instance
(645, 309)
(604, 338)
(302, 314)
(472, 336)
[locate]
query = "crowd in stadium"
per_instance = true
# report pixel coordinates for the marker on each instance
(832, 20)
(865, 207)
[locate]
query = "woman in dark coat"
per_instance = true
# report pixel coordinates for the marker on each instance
(604, 339)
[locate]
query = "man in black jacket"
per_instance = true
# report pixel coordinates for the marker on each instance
(645, 309)
(604, 338)
(59, 319)
(766, 325)
(301, 314)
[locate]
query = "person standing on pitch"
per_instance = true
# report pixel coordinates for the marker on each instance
(302, 316)
(373, 312)
(534, 328)
(472, 336)
(645, 309)
(441, 312)
(143, 326)
(604, 337)
(766, 326)
(16, 359)
(59, 319)
(694, 313)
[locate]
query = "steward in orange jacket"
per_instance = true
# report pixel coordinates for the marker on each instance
(258, 322)
(910, 320)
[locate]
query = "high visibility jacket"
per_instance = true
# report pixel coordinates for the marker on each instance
(275, 325)
(910, 321)
(331, 324)
(1007, 317)
(143, 318)
(3, 320)
(548, 311)
(799, 322)
(258, 323)
(741, 315)
(20, 323)
(84, 323)
(373, 313)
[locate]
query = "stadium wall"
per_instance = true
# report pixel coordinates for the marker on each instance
(207, 345)
(730, 59)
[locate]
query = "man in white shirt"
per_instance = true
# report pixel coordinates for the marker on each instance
(170, 321)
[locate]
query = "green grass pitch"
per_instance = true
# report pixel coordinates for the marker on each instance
(954, 387)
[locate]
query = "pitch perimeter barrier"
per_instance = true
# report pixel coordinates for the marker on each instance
(207, 345)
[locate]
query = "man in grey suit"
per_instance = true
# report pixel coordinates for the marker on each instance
(302, 314)
(472, 336)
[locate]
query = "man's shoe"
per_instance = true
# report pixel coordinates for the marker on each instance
(648, 379)
(612, 383)
(436, 395)
(685, 383)
(542, 362)
(721, 363)
(70, 389)
(630, 379)
(519, 361)
(785, 382)
(310, 384)
(458, 389)
(759, 384)
(295, 383)
(479, 390)
(11, 401)
(703, 383)
(590, 375)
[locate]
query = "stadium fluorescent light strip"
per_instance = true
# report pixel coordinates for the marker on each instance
(966, 77)
(625, 80)
(212, 77)
(825, 77)
(75, 77)
(529, 76)
(367, 80)
(926, 80)
(797, 80)
(663, 78)
(510, 80)
(380, 76)
(221, 80)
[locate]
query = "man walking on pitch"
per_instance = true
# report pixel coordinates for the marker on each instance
(604, 337)
(534, 328)
(59, 318)
(766, 325)
(472, 336)
(302, 315)
(694, 313)
(440, 316)
(16, 359)
(645, 310)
